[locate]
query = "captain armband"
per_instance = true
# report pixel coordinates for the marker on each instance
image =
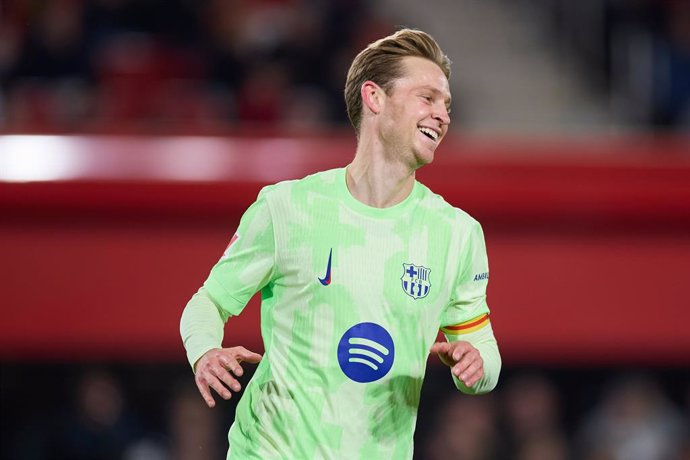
(468, 326)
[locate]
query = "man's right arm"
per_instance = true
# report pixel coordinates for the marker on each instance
(201, 326)
(214, 367)
(247, 265)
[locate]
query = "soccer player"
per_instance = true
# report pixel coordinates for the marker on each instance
(358, 268)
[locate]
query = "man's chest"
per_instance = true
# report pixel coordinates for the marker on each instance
(403, 265)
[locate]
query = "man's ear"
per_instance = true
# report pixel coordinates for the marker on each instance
(372, 96)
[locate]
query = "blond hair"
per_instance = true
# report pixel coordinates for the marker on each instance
(381, 62)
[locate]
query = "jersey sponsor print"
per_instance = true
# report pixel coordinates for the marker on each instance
(366, 352)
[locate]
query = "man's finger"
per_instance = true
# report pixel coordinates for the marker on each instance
(467, 359)
(471, 379)
(249, 356)
(231, 364)
(460, 350)
(474, 367)
(440, 347)
(227, 379)
(205, 393)
(470, 370)
(475, 378)
(220, 389)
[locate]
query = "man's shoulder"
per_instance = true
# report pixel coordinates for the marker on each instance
(444, 210)
(319, 181)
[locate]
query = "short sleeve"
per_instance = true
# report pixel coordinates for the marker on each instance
(248, 263)
(467, 310)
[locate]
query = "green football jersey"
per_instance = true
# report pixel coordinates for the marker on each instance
(352, 298)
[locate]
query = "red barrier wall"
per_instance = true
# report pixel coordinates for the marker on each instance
(589, 242)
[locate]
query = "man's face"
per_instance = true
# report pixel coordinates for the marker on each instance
(415, 115)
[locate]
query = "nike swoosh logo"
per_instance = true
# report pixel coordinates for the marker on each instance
(326, 280)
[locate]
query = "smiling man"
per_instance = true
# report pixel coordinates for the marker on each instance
(359, 268)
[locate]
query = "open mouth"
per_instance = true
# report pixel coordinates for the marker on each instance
(430, 133)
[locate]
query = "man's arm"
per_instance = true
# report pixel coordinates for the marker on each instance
(471, 350)
(201, 327)
(246, 266)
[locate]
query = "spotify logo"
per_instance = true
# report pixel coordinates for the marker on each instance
(366, 352)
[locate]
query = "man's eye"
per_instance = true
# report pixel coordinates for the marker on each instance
(427, 98)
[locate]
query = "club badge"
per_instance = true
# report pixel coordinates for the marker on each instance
(415, 281)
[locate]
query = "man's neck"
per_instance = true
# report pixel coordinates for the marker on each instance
(378, 180)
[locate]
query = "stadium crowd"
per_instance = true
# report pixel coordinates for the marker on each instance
(78, 65)
(636, 51)
(144, 412)
(73, 64)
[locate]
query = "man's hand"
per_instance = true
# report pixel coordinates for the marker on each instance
(464, 360)
(216, 368)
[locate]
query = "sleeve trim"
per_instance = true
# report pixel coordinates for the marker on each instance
(468, 326)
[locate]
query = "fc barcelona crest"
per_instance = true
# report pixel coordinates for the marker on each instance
(415, 281)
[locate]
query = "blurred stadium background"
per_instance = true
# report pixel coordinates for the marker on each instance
(135, 132)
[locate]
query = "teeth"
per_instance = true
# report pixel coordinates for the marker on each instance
(429, 132)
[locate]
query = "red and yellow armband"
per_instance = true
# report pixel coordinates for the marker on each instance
(468, 326)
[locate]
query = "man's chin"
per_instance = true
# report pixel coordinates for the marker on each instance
(424, 157)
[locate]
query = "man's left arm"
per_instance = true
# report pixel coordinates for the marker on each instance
(471, 350)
